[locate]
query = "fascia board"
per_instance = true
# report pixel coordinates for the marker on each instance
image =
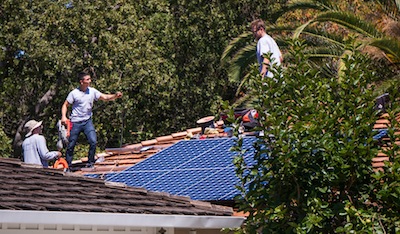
(119, 219)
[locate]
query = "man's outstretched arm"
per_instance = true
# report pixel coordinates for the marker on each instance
(110, 97)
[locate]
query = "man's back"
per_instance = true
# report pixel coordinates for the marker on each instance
(36, 152)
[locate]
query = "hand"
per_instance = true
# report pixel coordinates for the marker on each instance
(264, 71)
(64, 120)
(59, 155)
(118, 94)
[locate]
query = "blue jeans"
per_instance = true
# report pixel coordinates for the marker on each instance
(88, 129)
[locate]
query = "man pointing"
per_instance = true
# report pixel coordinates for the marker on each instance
(82, 99)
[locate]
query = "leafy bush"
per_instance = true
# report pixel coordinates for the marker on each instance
(5, 145)
(313, 171)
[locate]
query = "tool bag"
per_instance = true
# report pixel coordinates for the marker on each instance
(249, 118)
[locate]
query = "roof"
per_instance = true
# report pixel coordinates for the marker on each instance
(26, 187)
(119, 159)
(200, 169)
(203, 169)
(114, 160)
(35, 195)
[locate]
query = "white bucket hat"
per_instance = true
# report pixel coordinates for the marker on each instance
(31, 125)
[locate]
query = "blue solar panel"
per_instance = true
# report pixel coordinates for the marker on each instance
(136, 178)
(218, 185)
(176, 154)
(201, 169)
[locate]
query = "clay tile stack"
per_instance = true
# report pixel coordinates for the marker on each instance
(382, 124)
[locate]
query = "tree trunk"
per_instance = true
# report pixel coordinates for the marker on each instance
(43, 102)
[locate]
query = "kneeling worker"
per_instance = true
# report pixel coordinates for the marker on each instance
(34, 146)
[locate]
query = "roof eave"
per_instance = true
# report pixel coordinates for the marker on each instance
(119, 219)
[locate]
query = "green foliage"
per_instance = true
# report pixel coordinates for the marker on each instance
(327, 24)
(315, 174)
(366, 29)
(163, 55)
(5, 145)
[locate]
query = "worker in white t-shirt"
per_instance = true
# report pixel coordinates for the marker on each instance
(265, 44)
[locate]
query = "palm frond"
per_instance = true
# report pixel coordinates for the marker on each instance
(346, 19)
(350, 21)
(323, 52)
(279, 39)
(240, 61)
(390, 46)
(328, 4)
(310, 4)
(300, 29)
(318, 53)
(245, 101)
(235, 45)
(330, 38)
(387, 85)
(279, 28)
(390, 7)
(328, 70)
(242, 83)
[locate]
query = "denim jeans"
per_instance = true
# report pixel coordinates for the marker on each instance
(88, 129)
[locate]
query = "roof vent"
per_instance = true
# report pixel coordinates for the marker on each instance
(206, 122)
(115, 184)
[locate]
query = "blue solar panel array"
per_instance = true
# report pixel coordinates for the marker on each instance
(200, 169)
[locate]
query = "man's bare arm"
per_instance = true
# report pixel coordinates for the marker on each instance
(64, 110)
(110, 97)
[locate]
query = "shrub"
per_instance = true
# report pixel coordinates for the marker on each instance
(315, 174)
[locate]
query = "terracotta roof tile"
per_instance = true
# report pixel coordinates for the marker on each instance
(149, 142)
(179, 135)
(194, 130)
(383, 123)
(381, 126)
(165, 139)
(380, 159)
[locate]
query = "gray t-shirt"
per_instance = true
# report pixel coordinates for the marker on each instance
(82, 103)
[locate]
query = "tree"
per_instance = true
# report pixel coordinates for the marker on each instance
(326, 31)
(5, 149)
(163, 55)
(53, 40)
(239, 54)
(367, 32)
(312, 170)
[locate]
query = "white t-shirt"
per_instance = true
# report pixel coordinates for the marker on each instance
(82, 103)
(265, 45)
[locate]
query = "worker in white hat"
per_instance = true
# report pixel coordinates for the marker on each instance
(34, 146)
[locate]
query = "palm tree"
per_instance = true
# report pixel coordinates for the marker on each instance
(325, 43)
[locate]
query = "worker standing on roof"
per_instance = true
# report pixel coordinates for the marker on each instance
(82, 99)
(265, 44)
(34, 146)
